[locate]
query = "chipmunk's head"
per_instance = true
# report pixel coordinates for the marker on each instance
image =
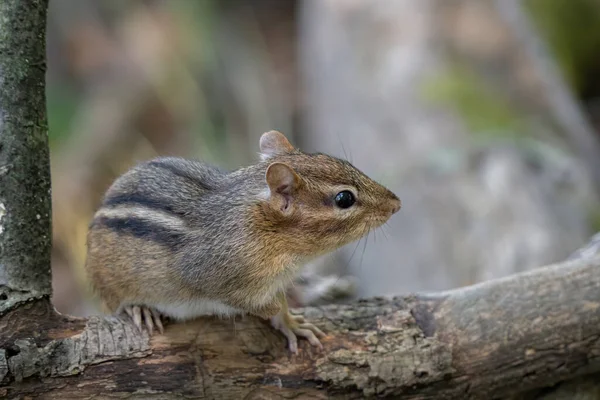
(318, 201)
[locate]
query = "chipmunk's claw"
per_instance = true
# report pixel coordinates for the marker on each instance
(293, 326)
(149, 316)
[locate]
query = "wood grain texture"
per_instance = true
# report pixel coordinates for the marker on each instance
(491, 340)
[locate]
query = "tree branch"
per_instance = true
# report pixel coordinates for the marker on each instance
(493, 339)
(24, 161)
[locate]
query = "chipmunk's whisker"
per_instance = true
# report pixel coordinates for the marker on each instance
(364, 248)
(352, 255)
(384, 229)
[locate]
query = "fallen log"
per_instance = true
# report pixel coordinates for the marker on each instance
(490, 340)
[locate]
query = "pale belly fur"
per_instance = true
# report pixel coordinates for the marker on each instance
(196, 308)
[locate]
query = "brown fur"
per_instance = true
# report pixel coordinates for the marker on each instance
(173, 230)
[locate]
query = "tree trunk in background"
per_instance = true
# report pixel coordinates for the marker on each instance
(439, 101)
(25, 210)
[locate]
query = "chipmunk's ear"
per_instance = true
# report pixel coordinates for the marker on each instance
(283, 183)
(274, 143)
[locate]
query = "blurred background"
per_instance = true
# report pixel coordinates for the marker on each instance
(483, 116)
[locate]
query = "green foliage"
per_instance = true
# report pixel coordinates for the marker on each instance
(572, 30)
(595, 219)
(198, 20)
(484, 111)
(61, 107)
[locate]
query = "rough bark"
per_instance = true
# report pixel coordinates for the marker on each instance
(490, 340)
(24, 160)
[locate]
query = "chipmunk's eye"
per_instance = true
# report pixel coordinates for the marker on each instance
(344, 199)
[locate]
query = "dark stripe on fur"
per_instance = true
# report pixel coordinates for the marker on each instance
(143, 230)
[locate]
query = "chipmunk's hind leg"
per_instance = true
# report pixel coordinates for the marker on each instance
(147, 315)
(293, 326)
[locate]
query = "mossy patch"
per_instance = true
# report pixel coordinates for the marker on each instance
(572, 31)
(484, 111)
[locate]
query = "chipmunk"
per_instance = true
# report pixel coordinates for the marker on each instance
(178, 238)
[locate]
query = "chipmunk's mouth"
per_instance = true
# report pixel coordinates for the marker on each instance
(380, 219)
(376, 222)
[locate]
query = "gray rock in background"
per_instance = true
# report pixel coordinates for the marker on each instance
(470, 212)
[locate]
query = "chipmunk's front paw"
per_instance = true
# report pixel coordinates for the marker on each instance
(149, 316)
(293, 326)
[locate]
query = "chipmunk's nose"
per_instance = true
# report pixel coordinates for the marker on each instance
(395, 203)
